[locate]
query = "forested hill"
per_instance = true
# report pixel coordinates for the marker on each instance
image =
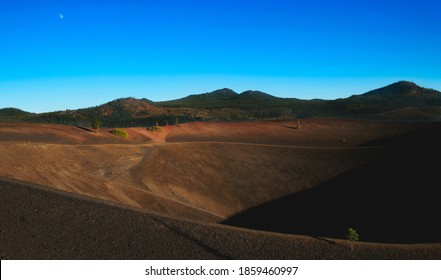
(403, 100)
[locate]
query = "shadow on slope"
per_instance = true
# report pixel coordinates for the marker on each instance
(395, 199)
(39, 223)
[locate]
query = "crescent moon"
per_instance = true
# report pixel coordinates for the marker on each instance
(61, 16)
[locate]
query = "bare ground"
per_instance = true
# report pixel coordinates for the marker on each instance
(39, 223)
(175, 186)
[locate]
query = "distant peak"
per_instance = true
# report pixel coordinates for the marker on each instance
(407, 87)
(405, 83)
(402, 86)
(224, 90)
(253, 92)
(12, 111)
(124, 100)
(222, 93)
(129, 104)
(256, 93)
(130, 100)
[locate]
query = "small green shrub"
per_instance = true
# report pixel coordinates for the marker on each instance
(353, 236)
(96, 124)
(120, 133)
(155, 128)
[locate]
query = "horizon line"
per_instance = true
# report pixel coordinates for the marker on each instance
(208, 92)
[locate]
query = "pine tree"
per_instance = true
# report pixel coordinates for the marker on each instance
(96, 124)
(353, 236)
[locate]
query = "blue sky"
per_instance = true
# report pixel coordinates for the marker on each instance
(101, 50)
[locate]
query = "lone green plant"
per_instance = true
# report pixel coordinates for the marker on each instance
(353, 236)
(96, 124)
(120, 133)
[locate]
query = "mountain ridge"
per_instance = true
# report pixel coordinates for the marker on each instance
(402, 87)
(402, 100)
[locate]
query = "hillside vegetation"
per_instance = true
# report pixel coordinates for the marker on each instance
(399, 101)
(13, 114)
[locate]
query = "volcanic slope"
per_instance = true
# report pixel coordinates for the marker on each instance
(203, 172)
(42, 223)
(219, 168)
